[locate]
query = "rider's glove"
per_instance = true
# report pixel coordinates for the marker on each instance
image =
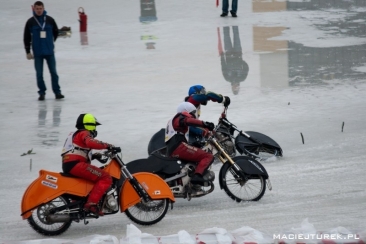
(114, 149)
(97, 156)
(205, 132)
(226, 101)
(210, 126)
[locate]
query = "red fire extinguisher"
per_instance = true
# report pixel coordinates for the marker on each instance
(83, 19)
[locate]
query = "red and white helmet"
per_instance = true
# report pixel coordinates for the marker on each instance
(187, 107)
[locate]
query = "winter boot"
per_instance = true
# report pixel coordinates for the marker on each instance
(93, 208)
(209, 175)
(198, 179)
(59, 96)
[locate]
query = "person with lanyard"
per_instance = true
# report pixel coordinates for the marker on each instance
(41, 32)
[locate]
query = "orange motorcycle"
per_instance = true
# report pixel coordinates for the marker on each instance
(54, 200)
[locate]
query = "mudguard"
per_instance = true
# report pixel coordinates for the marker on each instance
(157, 141)
(247, 164)
(257, 139)
(155, 187)
(156, 164)
(50, 185)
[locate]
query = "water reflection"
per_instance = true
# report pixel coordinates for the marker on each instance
(280, 5)
(289, 63)
(318, 4)
(319, 65)
(47, 129)
(309, 65)
(233, 67)
(84, 38)
(148, 15)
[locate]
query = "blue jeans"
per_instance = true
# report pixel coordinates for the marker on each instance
(51, 62)
(225, 6)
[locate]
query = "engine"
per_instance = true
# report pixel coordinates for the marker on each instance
(110, 202)
(226, 143)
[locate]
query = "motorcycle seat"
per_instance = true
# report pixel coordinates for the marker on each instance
(155, 163)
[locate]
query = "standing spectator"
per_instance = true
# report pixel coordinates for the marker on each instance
(41, 30)
(234, 68)
(225, 8)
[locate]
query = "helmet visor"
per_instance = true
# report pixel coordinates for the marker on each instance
(97, 122)
(200, 91)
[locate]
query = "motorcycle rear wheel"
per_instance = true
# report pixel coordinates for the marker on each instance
(240, 190)
(38, 220)
(148, 213)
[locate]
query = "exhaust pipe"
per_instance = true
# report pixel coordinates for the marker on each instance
(175, 177)
(58, 218)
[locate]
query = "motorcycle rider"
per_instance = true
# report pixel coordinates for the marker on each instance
(177, 142)
(76, 159)
(197, 95)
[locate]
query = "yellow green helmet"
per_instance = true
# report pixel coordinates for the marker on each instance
(87, 122)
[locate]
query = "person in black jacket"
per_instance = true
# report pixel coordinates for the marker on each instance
(234, 68)
(41, 31)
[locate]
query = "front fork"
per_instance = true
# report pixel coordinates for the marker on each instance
(135, 184)
(140, 190)
(226, 158)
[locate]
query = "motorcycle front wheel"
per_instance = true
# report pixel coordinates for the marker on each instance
(38, 220)
(148, 213)
(240, 189)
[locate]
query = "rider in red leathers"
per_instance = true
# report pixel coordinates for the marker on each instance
(177, 145)
(76, 159)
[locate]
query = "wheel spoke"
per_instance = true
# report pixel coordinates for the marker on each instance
(148, 213)
(38, 219)
(250, 190)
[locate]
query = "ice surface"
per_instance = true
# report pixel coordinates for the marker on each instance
(306, 75)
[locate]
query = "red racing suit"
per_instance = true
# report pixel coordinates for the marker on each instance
(177, 145)
(77, 162)
(197, 100)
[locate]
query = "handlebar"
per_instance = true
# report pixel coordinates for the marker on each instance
(106, 155)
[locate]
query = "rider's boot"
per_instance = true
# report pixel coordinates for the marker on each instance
(209, 175)
(198, 179)
(93, 208)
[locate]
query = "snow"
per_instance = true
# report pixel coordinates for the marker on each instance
(318, 186)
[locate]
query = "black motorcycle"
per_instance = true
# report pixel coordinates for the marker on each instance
(241, 177)
(250, 143)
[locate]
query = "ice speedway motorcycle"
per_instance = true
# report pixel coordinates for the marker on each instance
(243, 178)
(250, 143)
(54, 200)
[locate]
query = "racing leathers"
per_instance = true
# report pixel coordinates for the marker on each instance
(197, 100)
(76, 161)
(177, 144)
